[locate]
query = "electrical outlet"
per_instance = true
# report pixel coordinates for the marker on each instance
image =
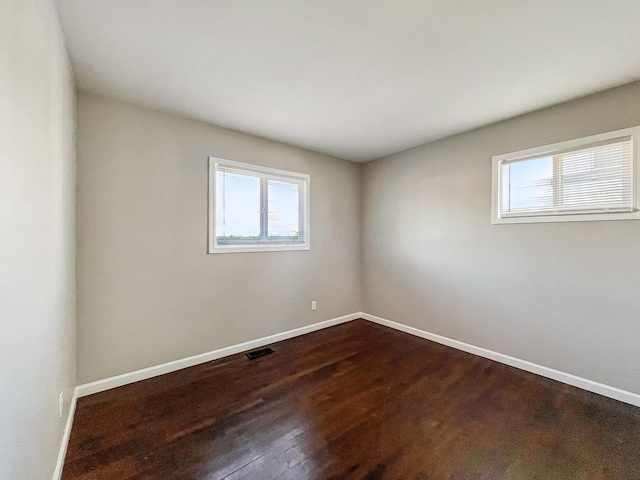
(313, 305)
(60, 404)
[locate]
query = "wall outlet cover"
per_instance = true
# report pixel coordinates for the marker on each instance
(60, 404)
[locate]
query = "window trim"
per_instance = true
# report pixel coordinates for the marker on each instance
(305, 181)
(554, 149)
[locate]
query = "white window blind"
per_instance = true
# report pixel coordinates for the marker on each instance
(583, 178)
(257, 208)
(591, 179)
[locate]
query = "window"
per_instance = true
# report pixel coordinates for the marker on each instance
(254, 208)
(592, 178)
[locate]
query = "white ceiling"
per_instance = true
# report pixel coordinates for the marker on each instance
(356, 79)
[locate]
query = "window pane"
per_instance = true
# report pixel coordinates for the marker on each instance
(591, 178)
(599, 176)
(237, 207)
(284, 210)
(527, 185)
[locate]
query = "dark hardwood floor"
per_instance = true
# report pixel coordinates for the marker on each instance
(355, 401)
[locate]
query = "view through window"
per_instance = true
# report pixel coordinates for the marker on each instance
(585, 179)
(258, 207)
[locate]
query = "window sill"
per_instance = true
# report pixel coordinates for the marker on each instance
(590, 217)
(254, 248)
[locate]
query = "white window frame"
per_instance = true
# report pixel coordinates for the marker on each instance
(282, 175)
(554, 149)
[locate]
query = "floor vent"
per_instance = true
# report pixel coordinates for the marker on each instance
(258, 353)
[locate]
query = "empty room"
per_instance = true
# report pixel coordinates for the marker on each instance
(319, 240)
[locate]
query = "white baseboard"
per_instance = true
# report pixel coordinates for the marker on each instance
(585, 384)
(126, 378)
(57, 473)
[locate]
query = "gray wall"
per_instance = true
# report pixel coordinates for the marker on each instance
(563, 295)
(148, 292)
(37, 279)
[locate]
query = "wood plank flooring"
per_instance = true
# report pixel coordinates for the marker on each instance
(355, 401)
